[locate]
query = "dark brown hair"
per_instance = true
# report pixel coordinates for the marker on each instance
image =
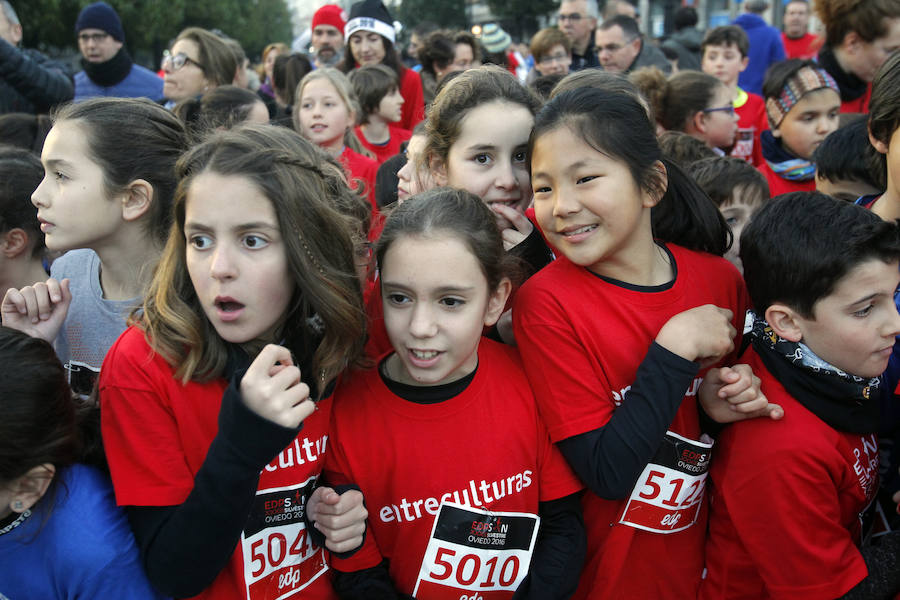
(866, 17)
(371, 84)
(216, 57)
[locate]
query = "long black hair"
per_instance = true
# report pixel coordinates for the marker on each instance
(615, 124)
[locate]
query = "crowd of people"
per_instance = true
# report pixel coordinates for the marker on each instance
(599, 317)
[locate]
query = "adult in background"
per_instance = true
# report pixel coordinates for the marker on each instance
(442, 53)
(551, 50)
(766, 47)
(371, 36)
(29, 81)
(622, 49)
(798, 41)
(686, 40)
(859, 37)
(578, 19)
(328, 36)
(198, 62)
(107, 67)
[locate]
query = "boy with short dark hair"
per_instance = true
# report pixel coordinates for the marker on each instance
(737, 189)
(724, 56)
(843, 163)
(789, 497)
(381, 106)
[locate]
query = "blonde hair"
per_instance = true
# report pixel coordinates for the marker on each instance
(325, 321)
(344, 89)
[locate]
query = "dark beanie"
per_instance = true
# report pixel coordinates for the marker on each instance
(102, 16)
(370, 15)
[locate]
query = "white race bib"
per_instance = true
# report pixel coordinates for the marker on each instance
(668, 494)
(279, 558)
(475, 554)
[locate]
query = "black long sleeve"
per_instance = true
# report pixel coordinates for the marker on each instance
(373, 583)
(559, 552)
(30, 82)
(185, 547)
(533, 251)
(610, 459)
(883, 562)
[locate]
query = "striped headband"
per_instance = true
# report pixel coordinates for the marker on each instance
(804, 81)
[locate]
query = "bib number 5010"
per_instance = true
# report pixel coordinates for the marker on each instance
(468, 569)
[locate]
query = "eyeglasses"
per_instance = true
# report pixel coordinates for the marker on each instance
(725, 109)
(574, 17)
(179, 60)
(84, 38)
(556, 58)
(613, 48)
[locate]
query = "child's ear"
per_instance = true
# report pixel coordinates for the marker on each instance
(879, 146)
(785, 321)
(137, 199)
(698, 122)
(31, 487)
(851, 43)
(438, 170)
(497, 302)
(660, 185)
(744, 62)
(14, 242)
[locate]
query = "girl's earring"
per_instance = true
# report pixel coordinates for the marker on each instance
(17, 505)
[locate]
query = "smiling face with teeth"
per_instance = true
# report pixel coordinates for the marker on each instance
(236, 258)
(488, 157)
(435, 314)
(591, 208)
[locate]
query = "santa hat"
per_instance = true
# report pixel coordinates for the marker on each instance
(370, 15)
(330, 14)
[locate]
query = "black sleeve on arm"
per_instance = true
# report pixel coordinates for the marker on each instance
(533, 251)
(611, 458)
(185, 547)
(883, 562)
(559, 552)
(317, 537)
(373, 583)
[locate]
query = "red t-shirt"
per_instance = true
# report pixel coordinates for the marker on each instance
(780, 185)
(390, 148)
(786, 500)
(859, 105)
(485, 447)
(582, 339)
(413, 100)
(806, 46)
(752, 120)
(156, 433)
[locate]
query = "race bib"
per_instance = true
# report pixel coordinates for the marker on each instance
(475, 554)
(669, 492)
(279, 558)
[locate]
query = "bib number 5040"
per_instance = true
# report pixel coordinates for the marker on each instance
(468, 569)
(275, 547)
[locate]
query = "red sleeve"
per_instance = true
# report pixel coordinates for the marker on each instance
(413, 100)
(787, 516)
(140, 433)
(572, 396)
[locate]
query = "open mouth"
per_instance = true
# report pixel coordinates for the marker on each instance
(424, 354)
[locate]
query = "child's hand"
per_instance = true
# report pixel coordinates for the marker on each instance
(732, 394)
(340, 517)
(38, 310)
(703, 334)
(271, 388)
(514, 226)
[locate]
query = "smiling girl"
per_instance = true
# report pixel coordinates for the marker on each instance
(477, 138)
(618, 333)
(215, 404)
(457, 423)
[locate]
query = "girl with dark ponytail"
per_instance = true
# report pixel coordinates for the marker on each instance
(618, 333)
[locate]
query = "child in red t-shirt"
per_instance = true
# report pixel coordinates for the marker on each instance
(724, 56)
(380, 108)
(624, 332)
(216, 403)
(802, 104)
(325, 113)
(792, 501)
(466, 495)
